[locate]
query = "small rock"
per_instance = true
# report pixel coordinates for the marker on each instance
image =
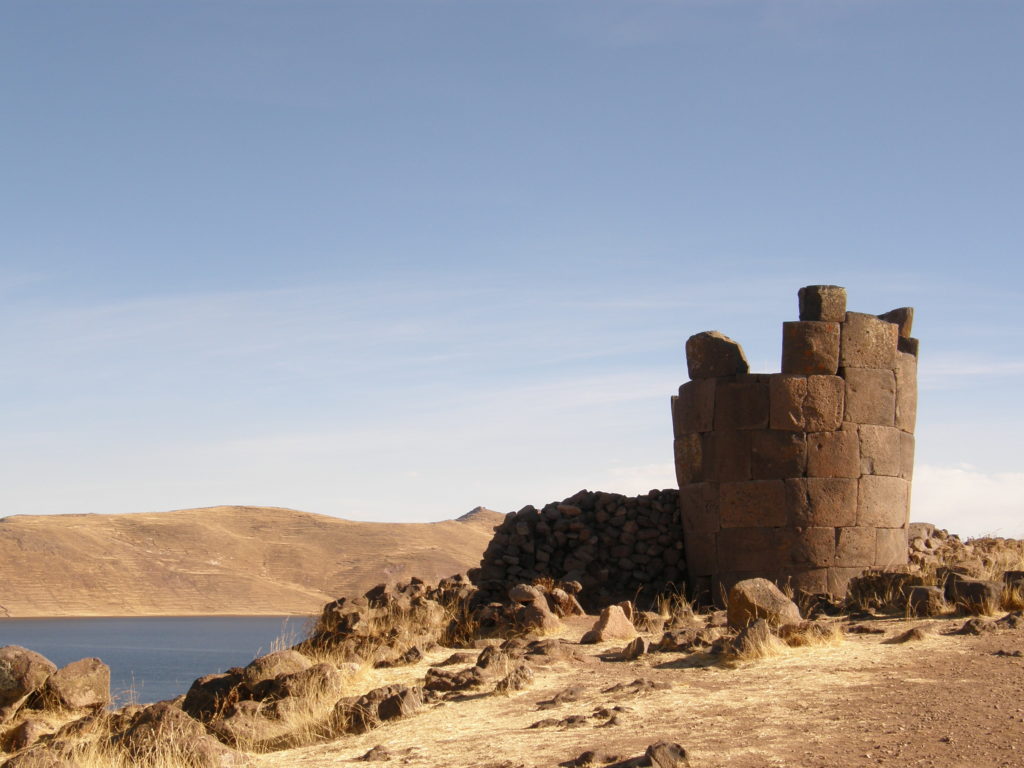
(378, 753)
(611, 625)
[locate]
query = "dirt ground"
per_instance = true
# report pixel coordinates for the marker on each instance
(945, 701)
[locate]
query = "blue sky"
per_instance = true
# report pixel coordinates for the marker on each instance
(392, 260)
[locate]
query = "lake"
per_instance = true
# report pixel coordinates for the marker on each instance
(155, 658)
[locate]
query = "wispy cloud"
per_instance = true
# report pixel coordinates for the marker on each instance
(968, 501)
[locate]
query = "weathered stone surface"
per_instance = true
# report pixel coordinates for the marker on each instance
(525, 593)
(748, 549)
(742, 404)
(833, 454)
(22, 672)
(807, 546)
(777, 454)
(726, 455)
(274, 664)
(822, 302)
(880, 450)
(839, 579)
(867, 342)
(755, 599)
(667, 754)
(83, 684)
(537, 617)
(890, 547)
(975, 595)
(828, 502)
(695, 407)
(806, 403)
(883, 502)
(903, 317)
(612, 624)
(910, 346)
(855, 547)
(813, 581)
(699, 506)
(925, 601)
(906, 391)
(638, 647)
(870, 396)
(702, 552)
(689, 455)
(711, 354)
(906, 455)
(810, 347)
(753, 503)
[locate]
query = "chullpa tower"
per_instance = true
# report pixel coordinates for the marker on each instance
(803, 476)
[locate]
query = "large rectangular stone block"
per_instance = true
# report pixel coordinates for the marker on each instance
(833, 454)
(702, 553)
(696, 406)
(870, 396)
(698, 505)
(906, 455)
(810, 347)
(742, 404)
(855, 547)
(813, 581)
(822, 302)
(890, 547)
(825, 403)
(839, 579)
(777, 454)
(906, 391)
(883, 502)
(727, 455)
(806, 403)
(748, 549)
(880, 450)
(689, 459)
(753, 503)
(821, 501)
(807, 546)
(867, 342)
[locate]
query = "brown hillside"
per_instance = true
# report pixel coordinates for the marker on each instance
(218, 560)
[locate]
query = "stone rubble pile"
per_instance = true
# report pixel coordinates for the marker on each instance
(617, 547)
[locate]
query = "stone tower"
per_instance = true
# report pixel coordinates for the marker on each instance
(803, 476)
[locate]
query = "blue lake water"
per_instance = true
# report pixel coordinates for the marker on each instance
(152, 659)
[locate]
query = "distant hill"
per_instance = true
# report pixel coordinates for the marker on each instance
(218, 560)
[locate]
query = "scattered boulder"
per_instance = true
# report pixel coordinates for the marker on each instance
(376, 754)
(611, 625)
(273, 664)
(974, 595)
(537, 617)
(83, 684)
(211, 695)
(165, 732)
(926, 601)
(519, 678)
(754, 599)
(22, 673)
(637, 648)
(667, 754)
(1012, 620)
(977, 626)
(24, 735)
(755, 639)
(912, 635)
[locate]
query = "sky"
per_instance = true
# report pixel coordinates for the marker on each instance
(393, 260)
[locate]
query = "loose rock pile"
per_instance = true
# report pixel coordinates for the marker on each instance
(617, 547)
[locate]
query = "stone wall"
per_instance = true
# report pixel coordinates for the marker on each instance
(801, 476)
(618, 547)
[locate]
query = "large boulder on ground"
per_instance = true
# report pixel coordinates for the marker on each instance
(612, 624)
(83, 684)
(753, 599)
(22, 672)
(975, 595)
(211, 695)
(164, 734)
(273, 664)
(537, 617)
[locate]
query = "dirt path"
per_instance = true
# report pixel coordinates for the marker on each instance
(947, 701)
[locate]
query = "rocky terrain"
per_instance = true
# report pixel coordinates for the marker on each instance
(423, 674)
(218, 560)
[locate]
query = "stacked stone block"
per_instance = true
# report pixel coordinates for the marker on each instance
(618, 547)
(802, 476)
